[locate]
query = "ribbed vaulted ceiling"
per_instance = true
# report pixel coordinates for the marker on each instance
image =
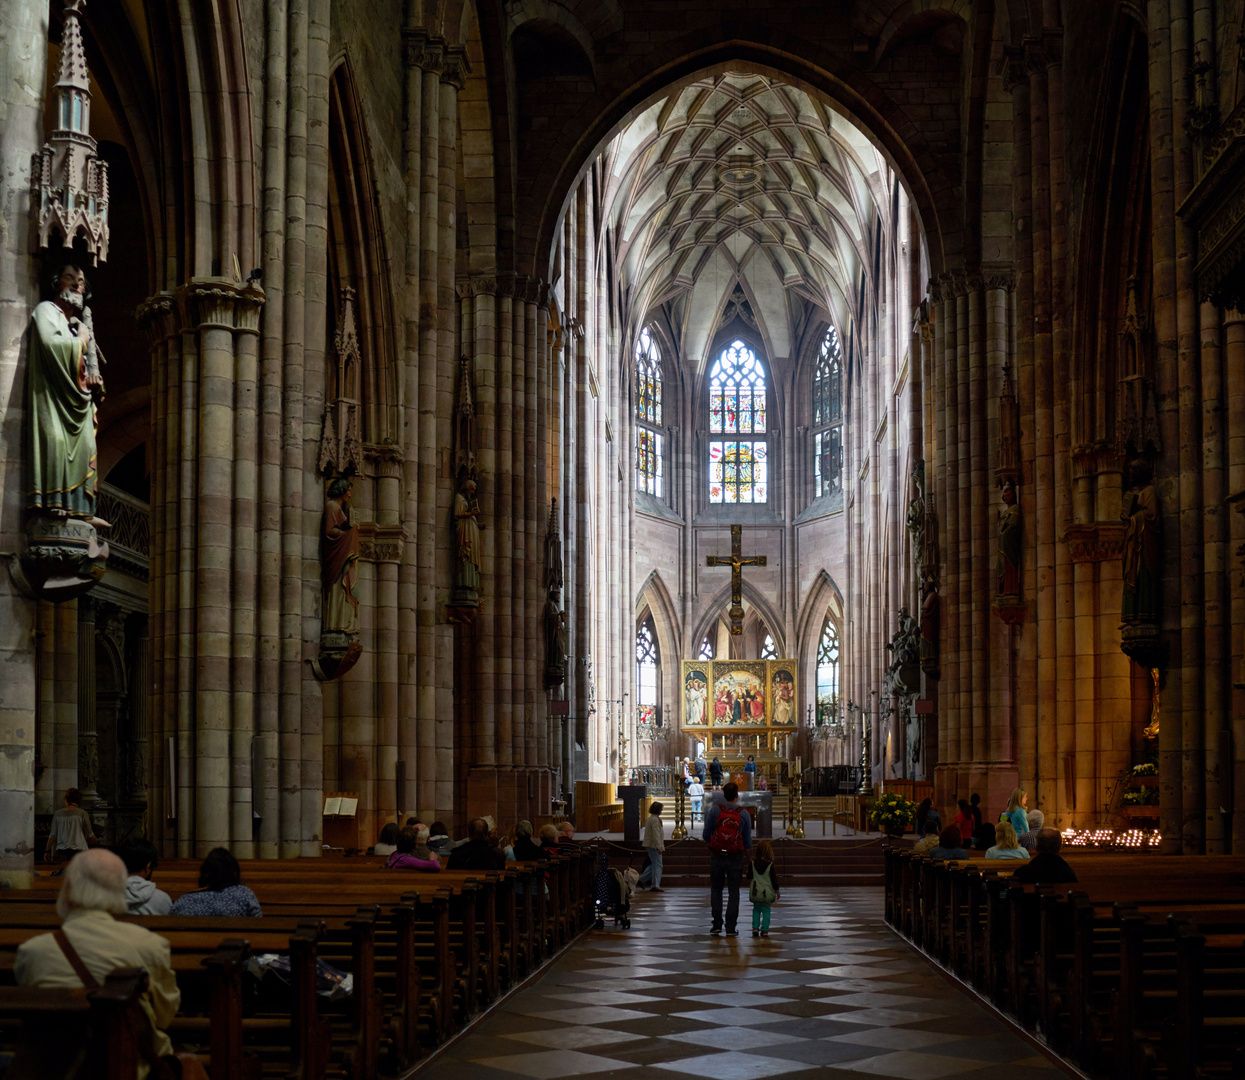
(739, 177)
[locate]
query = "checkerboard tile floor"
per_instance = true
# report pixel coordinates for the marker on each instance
(831, 993)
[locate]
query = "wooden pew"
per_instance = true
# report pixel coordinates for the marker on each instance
(111, 1017)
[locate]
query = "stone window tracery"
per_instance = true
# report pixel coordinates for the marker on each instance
(828, 416)
(738, 467)
(828, 674)
(706, 649)
(648, 445)
(769, 651)
(647, 666)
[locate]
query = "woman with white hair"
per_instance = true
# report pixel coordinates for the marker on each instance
(1036, 820)
(91, 944)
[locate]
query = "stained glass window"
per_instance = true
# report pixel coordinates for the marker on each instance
(769, 651)
(737, 392)
(647, 379)
(648, 461)
(706, 649)
(738, 468)
(646, 663)
(648, 442)
(828, 416)
(828, 674)
(738, 471)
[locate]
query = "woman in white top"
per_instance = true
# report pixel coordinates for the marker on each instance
(1006, 845)
(654, 845)
(71, 829)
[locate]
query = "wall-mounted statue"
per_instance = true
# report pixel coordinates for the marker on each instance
(1008, 604)
(1143, 548)
(1011, 529)
(64, 387)
(467, 535)
(340, 563)
(465, 526)
(64, 557)
(555, 617)
(929, 632)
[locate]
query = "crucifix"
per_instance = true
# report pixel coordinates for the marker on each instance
(736, 562)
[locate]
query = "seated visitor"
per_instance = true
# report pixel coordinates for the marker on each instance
(984, 836)
(1006, 846)
(477, 853)
(388, 842)
(566, 839)
(548, 838)
(1028, 840)
(929, 841)
(71, 830)
(524, 849)
(414, 822)
(925, 813)
(405, 858)
(422, 850)
(93, 892)
(141, 895)
(1047, 867)
(439, 838)
(964, 820)
(221, 892)
(948, 845)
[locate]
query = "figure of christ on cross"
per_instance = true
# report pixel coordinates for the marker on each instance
(736, 562)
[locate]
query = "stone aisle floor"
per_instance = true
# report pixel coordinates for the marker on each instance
(832, 993)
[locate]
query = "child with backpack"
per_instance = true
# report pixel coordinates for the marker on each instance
(763, 887)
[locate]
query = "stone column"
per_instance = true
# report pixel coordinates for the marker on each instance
(23, 58)
(136, 764)
(88, 747)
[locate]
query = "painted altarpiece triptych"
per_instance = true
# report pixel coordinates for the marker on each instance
(739, 704)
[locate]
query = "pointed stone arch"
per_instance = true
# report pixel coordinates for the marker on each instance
(711, 613)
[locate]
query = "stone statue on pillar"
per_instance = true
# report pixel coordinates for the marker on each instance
(64, 557)
(339, 563)
(1143, 567)
(555, 617)
(1009, 604)
(464, 602)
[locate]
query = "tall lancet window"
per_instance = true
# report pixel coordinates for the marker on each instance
(647, 665)
(769, 651)
(706, 649)
(828, 674)
(648, 440)
(738, 460)
(828, 416)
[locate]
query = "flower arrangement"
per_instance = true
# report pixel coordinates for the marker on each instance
(1141, 797)
(1146, 768)
(891, 811)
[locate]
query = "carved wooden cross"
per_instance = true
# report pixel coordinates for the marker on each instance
(736, 562)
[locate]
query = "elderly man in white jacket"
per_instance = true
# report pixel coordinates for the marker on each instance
(94, 891)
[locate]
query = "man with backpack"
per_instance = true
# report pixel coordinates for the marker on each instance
(728, 832)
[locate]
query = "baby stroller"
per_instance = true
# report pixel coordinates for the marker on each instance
(614, 888)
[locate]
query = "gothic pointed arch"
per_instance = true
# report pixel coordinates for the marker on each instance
(715, 607)
(359, 285)
(654, 598)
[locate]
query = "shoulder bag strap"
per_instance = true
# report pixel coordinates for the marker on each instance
(75, 961)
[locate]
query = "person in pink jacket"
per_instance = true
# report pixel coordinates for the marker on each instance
(405, 859)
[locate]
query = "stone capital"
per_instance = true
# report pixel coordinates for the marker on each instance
(424, 51)
(218, 303)
(156, 317)
(456, 67)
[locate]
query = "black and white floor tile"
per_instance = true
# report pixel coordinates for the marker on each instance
(831, 993)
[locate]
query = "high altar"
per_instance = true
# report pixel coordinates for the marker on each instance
(740, 706)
